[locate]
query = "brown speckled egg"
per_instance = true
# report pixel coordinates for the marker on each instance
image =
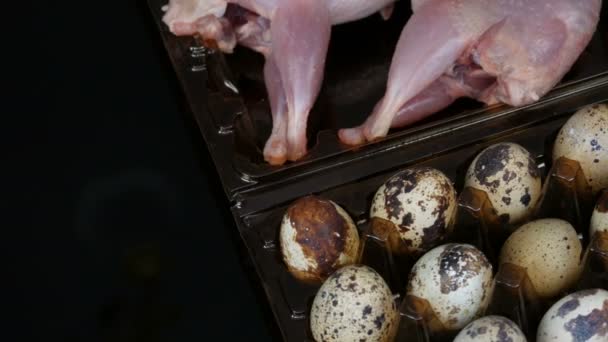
(550, 251)
(456, 280)
(584, 138)
(418, 205)
(510, 177)
(317, 237)
(599, 218)
(580, 316)
(491, 329)
(354, 304)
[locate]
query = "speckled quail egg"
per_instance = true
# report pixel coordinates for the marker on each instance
(416, 208)
(456, 280)
(584, 138)
(580, 316)
(550, 251)
(491, 329)
(508, 174)
(354, 304)
(599, 218)
(317, 237)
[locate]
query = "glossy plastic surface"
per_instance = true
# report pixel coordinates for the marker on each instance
(566, 182)
(227, 97)
(476, 224)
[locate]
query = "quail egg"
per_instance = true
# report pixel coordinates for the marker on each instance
(550, 251)
(584, 138)
(508, 174)
(317, 237)
(416, 209)
(456, 280)
(580, 316)
(599, 218)
(491, 329)
(354, 304)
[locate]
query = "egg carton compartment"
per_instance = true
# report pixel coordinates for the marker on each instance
(228, 98)
(565, 195)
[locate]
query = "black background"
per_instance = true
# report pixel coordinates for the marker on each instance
(117, 228)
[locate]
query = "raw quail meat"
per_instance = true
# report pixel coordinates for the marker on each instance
(495, 51)
(293, 36)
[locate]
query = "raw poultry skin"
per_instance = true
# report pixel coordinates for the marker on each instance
(495, 51)
(293, 36)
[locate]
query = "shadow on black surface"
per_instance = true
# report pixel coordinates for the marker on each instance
(145, 315)
(126, 234)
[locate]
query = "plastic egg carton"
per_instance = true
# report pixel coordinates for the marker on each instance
(227, 97)
(565, 195)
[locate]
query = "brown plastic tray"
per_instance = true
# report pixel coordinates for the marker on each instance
(289, 299)
(227, 97)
